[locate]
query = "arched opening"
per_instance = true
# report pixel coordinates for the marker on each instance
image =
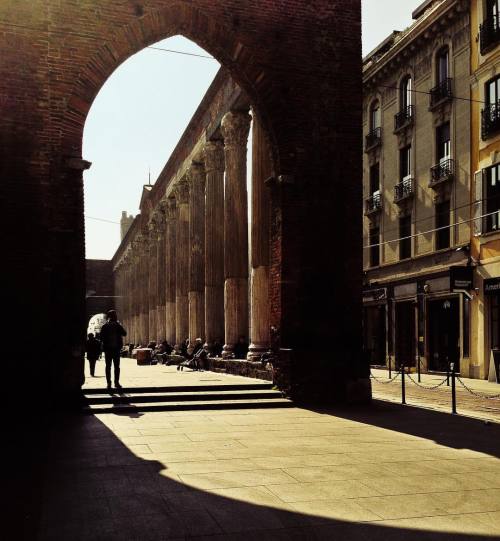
(304, 114)
(168, 288)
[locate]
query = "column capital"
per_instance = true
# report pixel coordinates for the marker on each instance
(171, 209)
(213, 154)
(196, 175)
(235, 126)
(182, 192)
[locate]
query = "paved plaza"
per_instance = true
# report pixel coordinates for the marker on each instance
(362, 473)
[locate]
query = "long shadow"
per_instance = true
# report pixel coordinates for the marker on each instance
(96, 488)
(453, 431)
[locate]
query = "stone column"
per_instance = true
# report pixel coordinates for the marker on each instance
(259, 256)
(143, 290)
(160, 271)
(214, 243)
(196, 181)
(235, 127)
(170, 271)
(182, 264)
(152, 273)
(135, 294)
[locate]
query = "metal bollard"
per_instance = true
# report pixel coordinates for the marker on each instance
(447, 373)
(403, 390)
(453, 390)
(418, 366)
(390, 369)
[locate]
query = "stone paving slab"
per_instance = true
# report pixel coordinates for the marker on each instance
(382, 472)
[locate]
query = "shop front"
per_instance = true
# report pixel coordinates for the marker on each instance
(375, 325)
(492, 298)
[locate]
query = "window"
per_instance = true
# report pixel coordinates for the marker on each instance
(443, 143)
(442, 65)
(492, 93)
(492, 12)
(442, 225)
(406, 90)
(405, 163)
(374, 247)
(405, 237)
(490, 121)
(489, 31)
(375, 116)
(374, 178)
(492, 198)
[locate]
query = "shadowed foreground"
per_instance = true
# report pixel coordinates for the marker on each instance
(382, 473)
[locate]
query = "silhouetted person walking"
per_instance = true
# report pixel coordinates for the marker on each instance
(112, 334)
(93, 349)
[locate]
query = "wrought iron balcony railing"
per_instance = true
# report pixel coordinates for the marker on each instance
(373, 139)
(490, 120)
(373, 203)
(404, 118)
(441, 172)
(489, 33)
(441, 92)
(403, 190)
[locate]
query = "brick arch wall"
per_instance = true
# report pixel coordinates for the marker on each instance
(300, 63)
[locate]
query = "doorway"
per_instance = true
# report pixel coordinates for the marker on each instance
(444, 334)
(405, 333)
(375, 333)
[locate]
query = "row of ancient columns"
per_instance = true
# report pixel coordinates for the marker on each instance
(187, 275)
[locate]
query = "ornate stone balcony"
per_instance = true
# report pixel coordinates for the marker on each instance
(404, 118)
(442, 172)
(373, 139)
(404, 190)
(441, 93)
(373, 204)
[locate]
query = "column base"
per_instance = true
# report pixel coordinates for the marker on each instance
(255, 351)
(228, 351)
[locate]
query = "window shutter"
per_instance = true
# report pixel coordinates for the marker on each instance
(478, 203)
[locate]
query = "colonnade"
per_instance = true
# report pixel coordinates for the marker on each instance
(191, 272)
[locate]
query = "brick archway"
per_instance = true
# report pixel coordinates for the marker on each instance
(299, 62)
(157, 24)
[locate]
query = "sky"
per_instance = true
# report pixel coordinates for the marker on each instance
(142, 110)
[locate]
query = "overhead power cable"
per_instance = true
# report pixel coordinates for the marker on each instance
(430, 93)
(463, 222)
(97, 38)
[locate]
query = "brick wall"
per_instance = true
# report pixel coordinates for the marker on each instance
(300, 64)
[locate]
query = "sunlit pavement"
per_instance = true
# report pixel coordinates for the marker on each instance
(475, 398)
(385, 472)
(156, 376)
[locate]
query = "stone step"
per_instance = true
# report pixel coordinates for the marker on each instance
(124, 397)
(186, 388)
(187, 406)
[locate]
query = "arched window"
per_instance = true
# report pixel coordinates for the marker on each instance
(405, 89)
(442, 65)
(442, 91)
(375, 115)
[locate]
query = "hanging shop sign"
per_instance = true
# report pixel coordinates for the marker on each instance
(371, 295)
(492, 286)
(461, 278)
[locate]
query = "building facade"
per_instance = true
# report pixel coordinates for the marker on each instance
(485, 164)
(417, 192)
